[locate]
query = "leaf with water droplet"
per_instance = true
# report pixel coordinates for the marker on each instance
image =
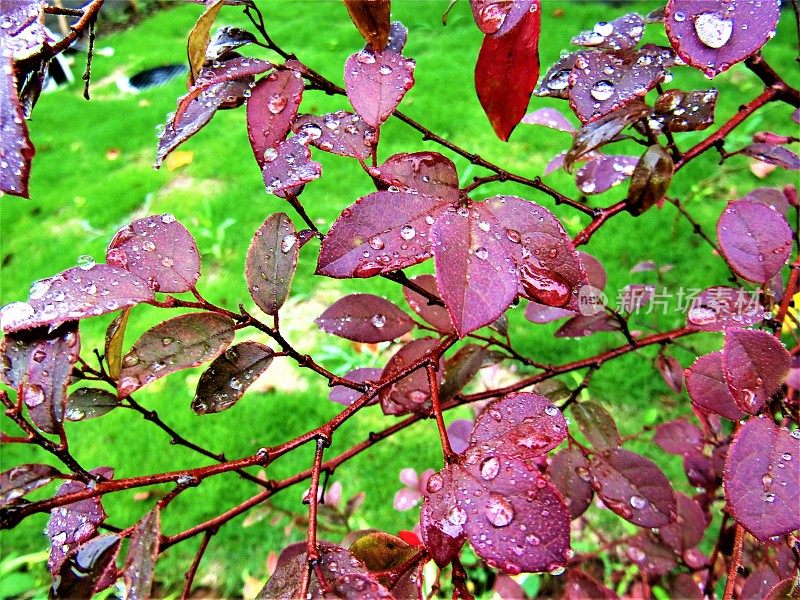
(601, 173)
(507, 70)
(755, 365)
(340, 132)
(376, 83)
(705, 383)
(719, 308)
(569, 472)
(429, 173)
(586, 325)
(229, 375)
(193, 339)
(411, 394)
(381, 551)
(225, 40)
(475, 274)
(271, 262)
(365, 318)
(650, 180)
(715, 35)
(19, 480)
(686, 111)
(16, 149)
(140, 564)
(762, 479)
(550, 118)
(623, 33)
(288, 167)
(440, 524)
(88, 569)
(634, 487)
(555, 83)
(271, 109)
(688, 529)
(773, 154)
(596, 424)
(345, 395)
(434, 314)
(90, 403)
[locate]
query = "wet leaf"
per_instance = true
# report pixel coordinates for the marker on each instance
(506, 72)
(679, 437)
(412, 392)
(671, 372)
(83, 572)
(597, 425)
(429, 173)
(365, 318)
(90, 403)
(460, 368)
(229, 375)
(688, 529)
(200, 36)
(651, 556)
(140, 565)
(271, 262)
(72, 524)
(75, 294)
(376, 83)
(345, 395)
(755, 365)
(623, 33)
(721, 308)
(773, 154)
(569, 472)
(115, 337)
(371, 18)
(179, 343)
(159, 250)
(586, 325)
(340, 132)
(16, 149)
(432, 313)
(549, 117)
(225, 40)
(541, 313)
(601, 173)
(759, 583)
(22, 479)
(270, 111)
(715, 35)
(581, 586)
(705, 382)
(441, 520)
(381, 551)
(650, 180)
(470, 261)
(633, 487)
(686, 111)
(762, 478)
(288, 167)
(556, 82)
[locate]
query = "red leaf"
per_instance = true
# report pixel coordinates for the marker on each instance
(679, 437)
(271, 109)
(705, 382)
(376, 83)
(507, 71)
(688, 529)
(441, 519)
(569, 472)
(601, 173)
(597, 425)
(432, 313)
(429, 173)
(288, 167)
(140, 564)
(755, 365)
(755, 239)
(581, 586)
(159, 250)
(762, 478)
(88, 569)
(549, 117)
(720, 308)
(622, 33)
(20, 480)
(371, 18)
(345, 395)
(671, 372)
(16, 149)
(475, 274)
(411, 393)
(339, 132)
(365, 318)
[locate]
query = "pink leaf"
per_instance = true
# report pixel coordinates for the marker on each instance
(412, 392)
(569, 472)
(271, 109)
(432, 313)
(271, 262)
(376, 83)
(339, 132)
(288, 166)
(365, 318)
(721, 308)
(429, 173)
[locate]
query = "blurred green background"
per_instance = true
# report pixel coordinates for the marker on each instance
(92, 174)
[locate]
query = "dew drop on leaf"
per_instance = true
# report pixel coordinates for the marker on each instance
(490, 467)
(499, 511)
(713, 29)
(602, 90)
(457, 516)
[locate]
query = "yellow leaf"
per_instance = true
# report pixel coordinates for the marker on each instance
(199, 38)
(792, 315)
(178, 159)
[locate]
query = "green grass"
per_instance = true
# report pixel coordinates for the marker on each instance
(79, 197)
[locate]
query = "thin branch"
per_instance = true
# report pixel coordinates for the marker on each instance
(187, 588)
(433, 384)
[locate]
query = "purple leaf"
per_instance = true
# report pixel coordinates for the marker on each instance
(228, 377)
(411, 393)
(520, 425)
(20, 480)
(441, 519)
(497, 500)
(651, 556)
(432, 313)
(755, 240)
(774, 198)
(555, 163)
(569, 472)
(381, 232)
(507, 70)
(237, 68)
(602, 82)
(549, 117)
(581, 586)
(72, 524)
(159, 250)
(376, 83)
(586, 325)
(140, 564)
(634, 296)
(288, 166)
(339, 132)
(762, 478)
(550, 270)
(716, 34)
(773, 154)
(398, 36)
(271, 262)
(541, 313)
(671, 372)
(365, 318)
(720, 308)
(179, 343)
(597, 425)
(601, 173)
(679, 437)
(40, 365)
(16, 149)
(759, 583)
(23, 27)
(89, 568)
(74, 294)
(686, 111)
(786, 588)
(555, 83)
(345, 395)
(474, 270)
(271, 109)
(650, 179)
(705, 382)
(633, 487)
(755, 365)
(458, 435)
(688, 529)
(622, 33)
(429, 173)
(90, 403)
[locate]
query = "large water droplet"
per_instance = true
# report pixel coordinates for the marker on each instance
(376, 243)
(559, 81)
(604, 29)
(638, 502)
(85, 262)
(288, 242)
(713, 29)
(276, 103)
(481, 253)
(378, 321)
(435, 483)
(15, 313)
(490, 467)
(499, 511)
(602, 90)
(407, 232)
(544, 285)
(457, 516)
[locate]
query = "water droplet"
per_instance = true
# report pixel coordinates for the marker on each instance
(490, 467)
(556, 570)
(484, 226)
(167, 262)
(544, 285)
(39, 289)
(638, 502)
(498, 511)
(287, 243)
(376, 243)
(604, 29)
(602, 90)
(85, 262)
(276, 103)
(148, 246)
(713, 29)
(33, 395)
(559, 81)
(365, 58)
(513, 236)
(15, 313)
(796, 434)
(407, 232)
(378, 321)
(435, 483)
(769, 497)
(167, 341)
(481, 253)
(130, 360)
(679, 16)
(787, 456)
(551, 411)
(457, 516)
(235, 384)
(385, 70)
